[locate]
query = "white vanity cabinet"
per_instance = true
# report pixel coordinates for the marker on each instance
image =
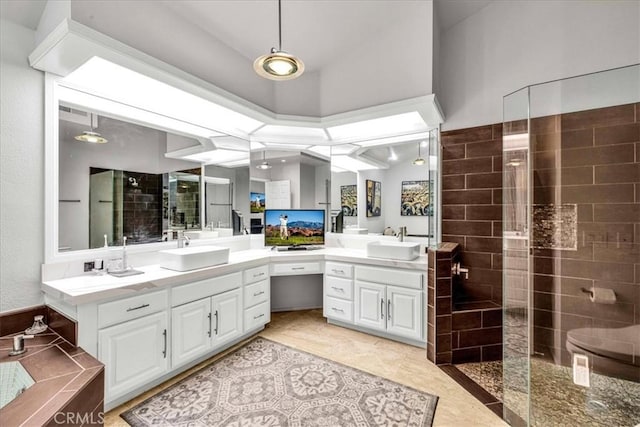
(257, 297)
(206, 323)
(338, 291)
(134, 348)
(390, 300)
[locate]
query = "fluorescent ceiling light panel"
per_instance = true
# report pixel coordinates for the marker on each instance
(337, 150)
(351, 164)
(129, 87)
(286, 147)
(323, 150)
(215, 157)
(275, 132)
(216, 180)
(131, 114)
(375, 128)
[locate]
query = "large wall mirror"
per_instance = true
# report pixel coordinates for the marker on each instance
(378, 189)
(118, 178)
(288, 178)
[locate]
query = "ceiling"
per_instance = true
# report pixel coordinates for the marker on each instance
(352, 22)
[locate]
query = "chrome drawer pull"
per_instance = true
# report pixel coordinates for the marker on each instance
(337, 309)
(382, 308)
(258, 316)
(255, 294)
(259, 274)
(389, 309)
(209, 316)
(138, 307)
(216, 329)
(297, 268)
(337, 289)
(164, 352)
(338, 271)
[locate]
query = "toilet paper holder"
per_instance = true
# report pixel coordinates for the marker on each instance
(601, 295)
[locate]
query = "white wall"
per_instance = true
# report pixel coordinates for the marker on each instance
(512, 44)
(21, 170)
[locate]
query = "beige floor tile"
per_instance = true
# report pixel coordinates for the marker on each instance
(408, 365)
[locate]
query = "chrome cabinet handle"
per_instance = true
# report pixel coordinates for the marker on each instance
(138, 307)
(297, 268)
(382, 308)
(337, 289)
(259, 274)
(389, 309)
(216, 329)
(337, 309)
(255, 294)
(164, 352)
(338, 271)
(258, 316)
(209, 316)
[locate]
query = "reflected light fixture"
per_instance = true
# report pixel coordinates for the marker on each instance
(278, 64)
(264, 165)
(91, 136)
(419, 161)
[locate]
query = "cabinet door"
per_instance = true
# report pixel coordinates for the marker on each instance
(227, 316)
(404, 312)
(134, 353)
(370, 305)
(191, 331)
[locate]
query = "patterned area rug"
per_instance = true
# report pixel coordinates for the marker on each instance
(268, 384)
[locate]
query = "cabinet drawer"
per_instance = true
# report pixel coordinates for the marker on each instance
(205, 288)
(125, 309)
(256, 293)
(285, 269)
(256, 274)
(338, 269)
(337, 287)
(405, 278)
(338, 309)
(257, 316)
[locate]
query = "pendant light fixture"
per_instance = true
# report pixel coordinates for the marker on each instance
(278, 64)
(91, 136)
(264, 165)
(419, 161)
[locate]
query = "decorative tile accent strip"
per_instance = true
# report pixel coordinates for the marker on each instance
(555, 226)
(265, 383)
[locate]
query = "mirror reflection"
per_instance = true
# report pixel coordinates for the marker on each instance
(382, 189)
(123, 179)
(288, 178)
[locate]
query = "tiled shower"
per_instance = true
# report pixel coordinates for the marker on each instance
(571, 239)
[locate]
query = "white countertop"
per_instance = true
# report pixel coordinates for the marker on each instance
(92, 287)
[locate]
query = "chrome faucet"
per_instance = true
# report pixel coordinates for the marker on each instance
(401, 233)
(182, 239)
(18, 345)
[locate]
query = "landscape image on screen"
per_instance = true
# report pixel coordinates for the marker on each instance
(292, 227)
(257, 202)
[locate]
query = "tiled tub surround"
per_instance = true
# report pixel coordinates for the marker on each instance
(591, 159)
(69, 383)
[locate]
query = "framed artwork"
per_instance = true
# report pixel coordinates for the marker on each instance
(415, 198)
(349, 200)
(257, 202)
(374, 198)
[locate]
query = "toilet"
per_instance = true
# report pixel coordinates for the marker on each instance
(613, 352)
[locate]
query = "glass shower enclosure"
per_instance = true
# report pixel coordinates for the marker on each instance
(571, 251)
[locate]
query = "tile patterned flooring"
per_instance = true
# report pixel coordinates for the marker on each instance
(309, 331)
(557, 401)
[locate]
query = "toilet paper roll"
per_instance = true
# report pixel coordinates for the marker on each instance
(603, 295)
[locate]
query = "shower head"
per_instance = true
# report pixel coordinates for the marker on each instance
(133, 181)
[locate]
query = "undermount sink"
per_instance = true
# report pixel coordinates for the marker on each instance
(403, 251)
(355, 230)
(201, 234)
(192, 258)
(224, 232)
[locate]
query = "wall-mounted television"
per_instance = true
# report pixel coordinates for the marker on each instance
(257, 202)
(293, 227)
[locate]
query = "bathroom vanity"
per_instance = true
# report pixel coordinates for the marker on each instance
(150, 327)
